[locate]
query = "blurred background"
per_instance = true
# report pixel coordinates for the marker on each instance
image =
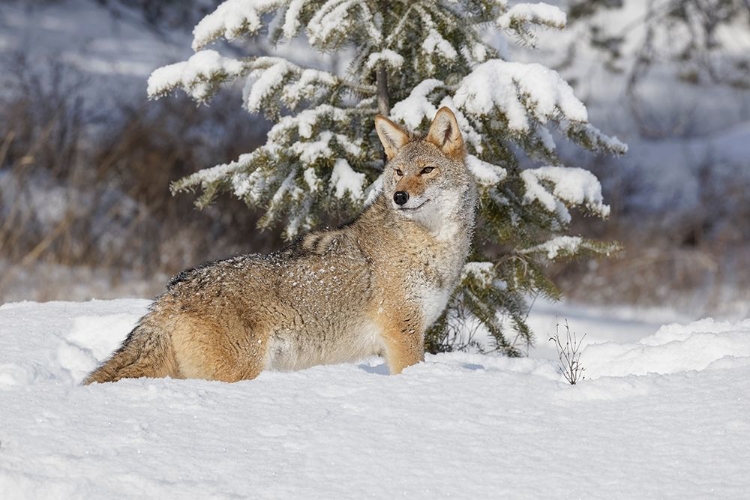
(86, 160)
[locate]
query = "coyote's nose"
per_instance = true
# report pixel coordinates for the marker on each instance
(401, 197)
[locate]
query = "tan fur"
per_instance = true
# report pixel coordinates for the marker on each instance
(446, 135)
(372, 287)
(391, 136)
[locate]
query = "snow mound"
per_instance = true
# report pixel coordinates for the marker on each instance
(607, 389)
(458, 425)
(91, 340)
(61, 342)
(673, 348)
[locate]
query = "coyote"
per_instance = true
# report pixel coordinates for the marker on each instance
(371, 287)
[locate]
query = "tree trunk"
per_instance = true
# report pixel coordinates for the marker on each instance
(384, 106)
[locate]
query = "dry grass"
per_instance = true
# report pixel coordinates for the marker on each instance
(569, 354)
(83, 192)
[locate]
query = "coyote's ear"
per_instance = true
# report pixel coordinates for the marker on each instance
(391, 135)
(445, 134)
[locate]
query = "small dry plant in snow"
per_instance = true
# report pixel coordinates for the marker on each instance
(569, 354)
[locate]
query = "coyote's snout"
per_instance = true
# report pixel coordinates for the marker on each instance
(371, 287)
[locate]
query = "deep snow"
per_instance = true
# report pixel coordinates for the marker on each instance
(458, 425)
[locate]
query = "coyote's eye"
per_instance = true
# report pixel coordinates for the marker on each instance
(426, 170)
(399, 172)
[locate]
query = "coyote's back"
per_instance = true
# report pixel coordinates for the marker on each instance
(372, 287)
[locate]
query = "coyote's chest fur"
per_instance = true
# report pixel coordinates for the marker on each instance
(341, 289)
(372, 287)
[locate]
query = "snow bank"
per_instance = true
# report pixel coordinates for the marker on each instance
(60, 342)
(458, 425)
(674, 348)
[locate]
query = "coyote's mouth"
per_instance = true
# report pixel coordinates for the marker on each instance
(414, 208)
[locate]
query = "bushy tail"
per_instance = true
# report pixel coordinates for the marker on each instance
(146, 352)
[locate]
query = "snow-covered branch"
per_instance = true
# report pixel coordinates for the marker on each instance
(569, 187)
(525, 15)
(270, 78)
(518, 91)
(235, 18)
(199, 76)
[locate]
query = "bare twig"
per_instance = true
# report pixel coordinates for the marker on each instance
(569, 354)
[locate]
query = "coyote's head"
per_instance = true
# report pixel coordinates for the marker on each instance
(426, 178)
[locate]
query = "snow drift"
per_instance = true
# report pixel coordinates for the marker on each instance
(664, 417)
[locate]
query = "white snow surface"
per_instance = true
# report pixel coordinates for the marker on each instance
(663, 417)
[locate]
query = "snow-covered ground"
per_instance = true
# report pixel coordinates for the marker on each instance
(667, 416)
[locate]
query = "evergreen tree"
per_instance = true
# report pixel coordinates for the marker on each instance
(408, 58)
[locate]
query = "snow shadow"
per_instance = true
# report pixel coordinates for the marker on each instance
(381, 369)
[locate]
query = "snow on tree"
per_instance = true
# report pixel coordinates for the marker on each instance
(407, 59)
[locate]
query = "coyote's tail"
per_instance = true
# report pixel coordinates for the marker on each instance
(146, 352)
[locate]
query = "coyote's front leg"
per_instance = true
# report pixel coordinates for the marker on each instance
(403, 335)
